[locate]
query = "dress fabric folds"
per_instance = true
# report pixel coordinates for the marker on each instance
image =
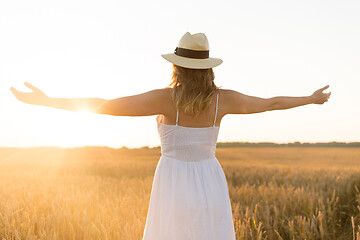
(189, 197)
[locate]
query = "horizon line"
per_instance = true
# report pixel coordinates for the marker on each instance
(217, 144)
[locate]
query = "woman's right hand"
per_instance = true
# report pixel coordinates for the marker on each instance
(36, 97)
(318, 97)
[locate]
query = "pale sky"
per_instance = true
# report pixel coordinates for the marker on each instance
(109, 49)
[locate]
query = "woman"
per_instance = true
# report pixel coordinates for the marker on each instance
(189, 197)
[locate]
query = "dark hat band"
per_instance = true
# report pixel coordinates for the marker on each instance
(188, 53)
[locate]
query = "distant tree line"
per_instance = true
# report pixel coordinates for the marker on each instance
(219, 144)
(272, 144)
(293, 144)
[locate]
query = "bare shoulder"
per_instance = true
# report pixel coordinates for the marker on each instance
(235, 102)
(163, 94)
(160, 92)
(167, 90)
(156, 101)
(229, 93)
(226, 98)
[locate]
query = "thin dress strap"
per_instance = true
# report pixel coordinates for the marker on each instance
(216, 109)
(177, 117)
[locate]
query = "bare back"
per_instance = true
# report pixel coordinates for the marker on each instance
(204, 119)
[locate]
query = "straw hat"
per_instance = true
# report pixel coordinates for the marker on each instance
(192, 52)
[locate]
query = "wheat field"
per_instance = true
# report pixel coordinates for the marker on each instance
(103, 193)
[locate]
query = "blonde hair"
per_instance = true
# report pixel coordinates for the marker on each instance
(192, 89)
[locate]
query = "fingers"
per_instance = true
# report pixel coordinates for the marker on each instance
(14, 91)
(31, 86)
(328, 95)
(323, 88)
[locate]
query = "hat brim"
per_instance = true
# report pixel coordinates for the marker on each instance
(192, 63)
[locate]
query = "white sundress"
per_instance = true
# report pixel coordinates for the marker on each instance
(189, 196)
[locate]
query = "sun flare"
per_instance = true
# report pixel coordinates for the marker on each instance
(85, 111)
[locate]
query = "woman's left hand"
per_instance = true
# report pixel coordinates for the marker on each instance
(36, 97)
(318, 97)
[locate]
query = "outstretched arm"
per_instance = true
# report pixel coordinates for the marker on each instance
(238, 103)
(145, 104)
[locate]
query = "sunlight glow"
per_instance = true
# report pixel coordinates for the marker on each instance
(110, 49)
(86, 112)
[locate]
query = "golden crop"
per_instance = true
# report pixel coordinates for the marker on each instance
(102, 193)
